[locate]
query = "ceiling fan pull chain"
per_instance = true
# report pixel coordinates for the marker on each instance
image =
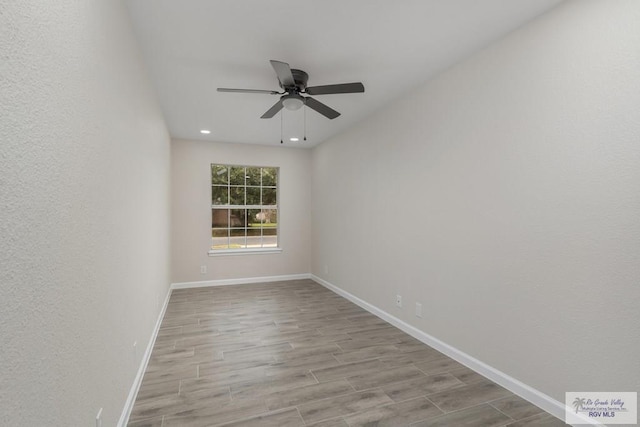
(281, 115)
(305, 122)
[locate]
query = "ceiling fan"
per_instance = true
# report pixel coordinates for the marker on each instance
(294, 84)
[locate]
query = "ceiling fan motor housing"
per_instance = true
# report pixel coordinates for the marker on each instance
(300, 78)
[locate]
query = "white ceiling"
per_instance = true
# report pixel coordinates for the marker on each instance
(194, 46)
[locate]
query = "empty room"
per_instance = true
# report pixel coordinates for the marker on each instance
(319, 213)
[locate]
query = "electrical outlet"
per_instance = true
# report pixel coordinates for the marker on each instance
(99, 418)
(399, 300)
(203, 269)
(418, 309)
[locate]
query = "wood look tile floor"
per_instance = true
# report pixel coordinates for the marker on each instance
(296, 354)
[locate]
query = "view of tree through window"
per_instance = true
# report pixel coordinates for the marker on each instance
(244, 207)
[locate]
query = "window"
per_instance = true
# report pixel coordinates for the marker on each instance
(244, 208)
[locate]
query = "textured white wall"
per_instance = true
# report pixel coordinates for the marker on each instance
(504, 196)
(84, 217)
(191, 211)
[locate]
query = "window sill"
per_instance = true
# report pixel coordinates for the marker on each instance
(263, 251)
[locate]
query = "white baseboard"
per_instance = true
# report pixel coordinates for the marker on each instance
(519, 388)
(133, 393)
(528, 393)
(243, 281)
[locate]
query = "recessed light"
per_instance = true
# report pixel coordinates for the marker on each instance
(205, 131)
(294, 139)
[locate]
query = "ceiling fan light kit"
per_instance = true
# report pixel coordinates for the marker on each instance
(292, 102)
(294, 84)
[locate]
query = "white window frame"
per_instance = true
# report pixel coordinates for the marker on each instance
(229, 207)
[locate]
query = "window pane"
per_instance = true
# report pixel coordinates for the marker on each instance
(219, 174)
(219, 195)
(268, 196)
(270, 176)
(253, 196)
(253, 176)
(237, 232)
(254, 240)
(220, 238)
(255, 217)
(237, 195)
(270, 217)
(237, 175)
(238, 218)
(220, 232)
(219, 218)
(220, 243)
(238, 238)
(254, 231)
(270, 241)
(269, 230)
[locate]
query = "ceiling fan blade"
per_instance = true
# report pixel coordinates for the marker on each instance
(283, 71)
(273, 110)
(326, 111)
(340, 88)
(269, 92)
